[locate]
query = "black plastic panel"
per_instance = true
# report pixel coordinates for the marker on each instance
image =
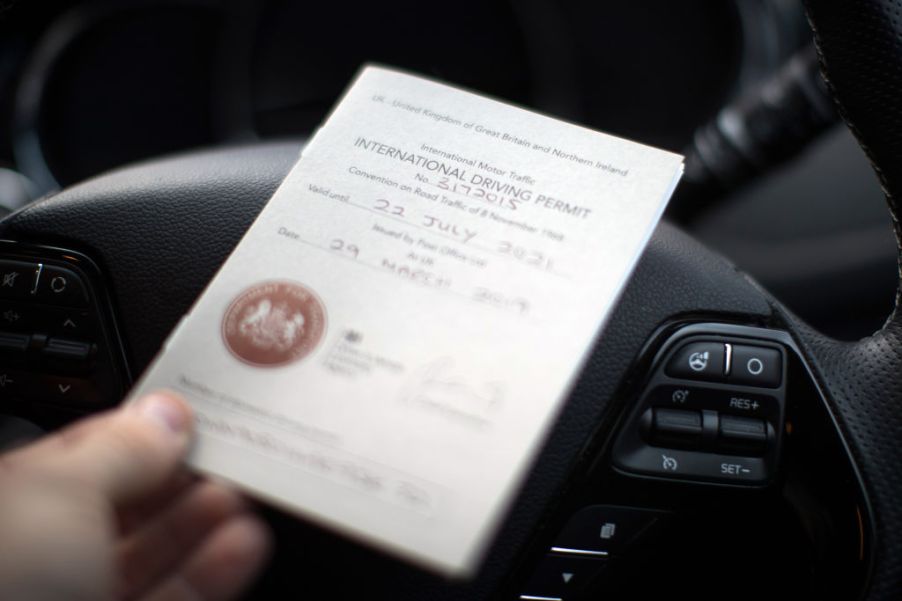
(807, 532)
(60, 348)
(733, 386)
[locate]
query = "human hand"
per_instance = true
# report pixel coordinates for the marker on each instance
(104, 510)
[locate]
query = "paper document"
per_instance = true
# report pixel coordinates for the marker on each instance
(387, 346)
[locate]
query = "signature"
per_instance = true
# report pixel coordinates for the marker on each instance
(438, 386)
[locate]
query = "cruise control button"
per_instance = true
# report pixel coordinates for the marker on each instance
(743, 434)
(677, 427)
(756, 366)
(558, 577)
(61, 286)
(17, 279)
(699, 361)
(678, 421)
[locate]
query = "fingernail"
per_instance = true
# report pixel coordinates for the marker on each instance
(165, 411)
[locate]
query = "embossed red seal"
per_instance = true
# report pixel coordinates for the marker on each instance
(273, 323)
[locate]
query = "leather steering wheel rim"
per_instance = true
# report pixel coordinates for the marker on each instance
(160, 230)
(860, 48)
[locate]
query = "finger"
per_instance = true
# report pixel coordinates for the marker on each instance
(224, 565)
(155, 550)
(123, 454)
(137, 514)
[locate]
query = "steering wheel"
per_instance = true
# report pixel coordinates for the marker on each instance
(146, 239)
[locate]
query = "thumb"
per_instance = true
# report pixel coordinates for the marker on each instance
(123, 454)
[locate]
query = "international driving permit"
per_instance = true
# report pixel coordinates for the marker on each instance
(388, 345)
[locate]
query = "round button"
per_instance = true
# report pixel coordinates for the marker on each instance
(61, 286)
(756, 366)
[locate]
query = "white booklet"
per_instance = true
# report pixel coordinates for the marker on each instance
(387, 347)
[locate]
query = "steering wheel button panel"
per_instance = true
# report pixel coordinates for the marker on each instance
(57, 333)
(756, 366)
(712, 410)
(699, 361)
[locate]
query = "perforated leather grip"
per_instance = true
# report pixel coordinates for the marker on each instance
(860, 48)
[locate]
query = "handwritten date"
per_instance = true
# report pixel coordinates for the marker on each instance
(340, 246)
(532, 257)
